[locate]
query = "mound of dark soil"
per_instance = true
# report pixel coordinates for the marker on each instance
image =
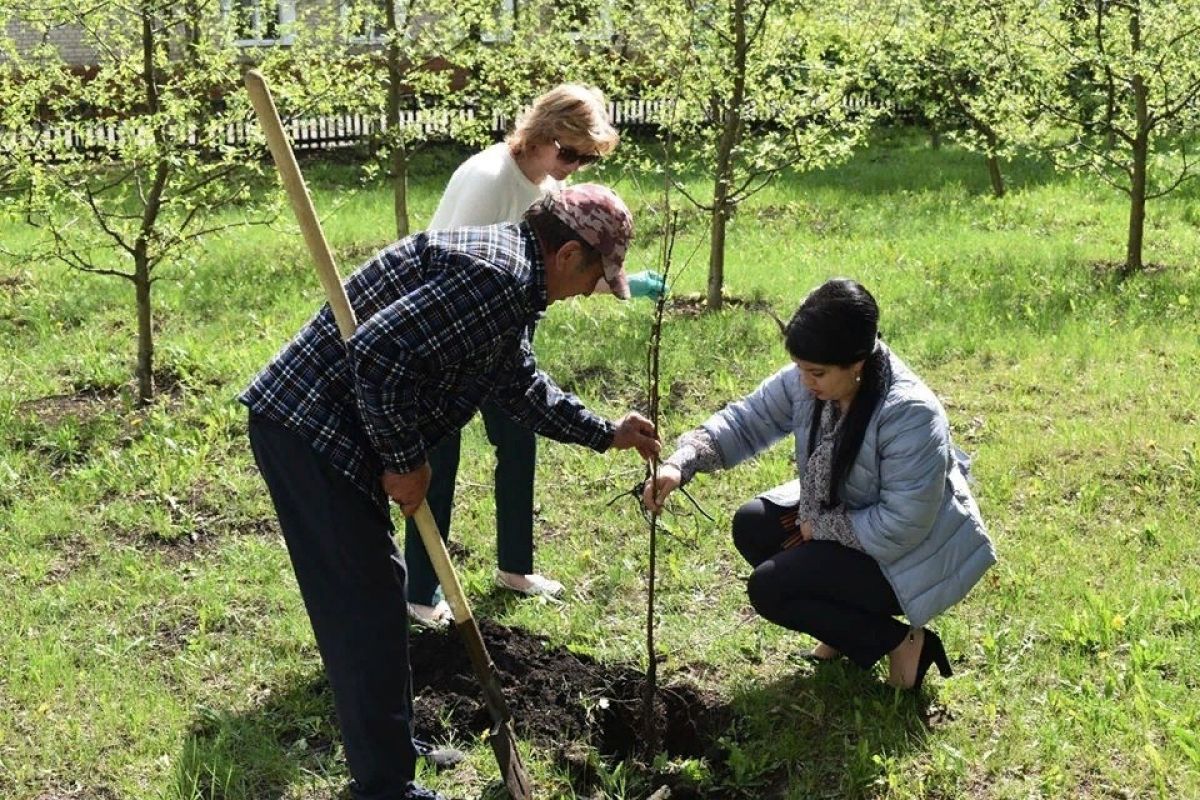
(556, 697)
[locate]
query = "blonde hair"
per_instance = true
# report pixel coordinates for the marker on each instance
(569, 113)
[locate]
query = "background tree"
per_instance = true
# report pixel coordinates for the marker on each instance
(412, 60)
(765, 90)
(158, 166)
(1126, 101)
(945, 63)
(530, 47)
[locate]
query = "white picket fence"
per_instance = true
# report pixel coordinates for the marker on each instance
(315, 133)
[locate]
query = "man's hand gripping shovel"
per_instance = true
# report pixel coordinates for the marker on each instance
(502, 738)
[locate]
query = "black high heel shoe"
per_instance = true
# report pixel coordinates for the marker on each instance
(932, 652)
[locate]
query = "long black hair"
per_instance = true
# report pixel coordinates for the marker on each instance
(838, 325)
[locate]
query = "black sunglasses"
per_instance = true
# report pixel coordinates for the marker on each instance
(569, 155)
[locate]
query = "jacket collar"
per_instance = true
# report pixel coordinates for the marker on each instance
(537, 269)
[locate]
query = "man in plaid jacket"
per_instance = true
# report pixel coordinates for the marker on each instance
(338, 428)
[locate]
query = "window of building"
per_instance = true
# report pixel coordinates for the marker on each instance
(504, 20)
(365, 21)
(260, 22)
(586, 19)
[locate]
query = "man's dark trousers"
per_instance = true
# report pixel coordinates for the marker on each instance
(352, 580)
(516, 463)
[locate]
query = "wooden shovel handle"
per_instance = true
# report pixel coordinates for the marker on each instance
(297, 192)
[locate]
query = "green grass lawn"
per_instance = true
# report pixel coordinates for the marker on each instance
(154, 644)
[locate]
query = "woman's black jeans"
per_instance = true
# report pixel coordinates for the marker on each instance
(827, 590)
(516, 464)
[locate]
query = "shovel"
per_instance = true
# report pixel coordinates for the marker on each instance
(502, 737)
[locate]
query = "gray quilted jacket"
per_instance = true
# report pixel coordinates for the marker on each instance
(906, 494)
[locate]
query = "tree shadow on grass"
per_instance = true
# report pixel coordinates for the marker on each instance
(257, 754)
(900, 160)
(828, 731)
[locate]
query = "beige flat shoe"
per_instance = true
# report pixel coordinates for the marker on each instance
(536, 585)
(435, 618)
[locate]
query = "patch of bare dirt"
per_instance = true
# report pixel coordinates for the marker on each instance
(14, 282)
(78, 793)
(66, 561)
(53, 409)
(209, 529)
(74, 552)
(693, 305)
(1119, 271)
(87, 399)
(174, 636)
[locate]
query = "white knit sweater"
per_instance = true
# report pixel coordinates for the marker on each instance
(486, 189)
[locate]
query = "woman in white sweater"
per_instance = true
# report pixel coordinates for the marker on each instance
(566, 129)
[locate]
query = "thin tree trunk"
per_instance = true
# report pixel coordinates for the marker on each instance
(935, 137)
(143, 281)
(993, 165)
(400, 187)
(142, 261)
(399, 153)
(723, 182)
(1137, 189)
(991, 140)
(650, 731)
(1110, 94)
(145, 334)
(716, 249)
(1141, 151)
(650, 688)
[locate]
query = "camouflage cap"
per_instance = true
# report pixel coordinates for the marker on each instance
(603, 221)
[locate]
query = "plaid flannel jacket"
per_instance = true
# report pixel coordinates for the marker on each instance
(444, 320)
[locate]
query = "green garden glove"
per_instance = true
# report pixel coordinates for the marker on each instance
(646, 284)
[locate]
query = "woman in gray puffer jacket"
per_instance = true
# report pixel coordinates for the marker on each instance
(880, 520)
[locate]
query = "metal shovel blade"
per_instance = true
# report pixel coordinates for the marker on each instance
(504, 744)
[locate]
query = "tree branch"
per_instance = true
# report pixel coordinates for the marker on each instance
(706, 20)
(1188, 97)
(1185, 174)
(216, 174)
(100, 270)
(97, 39)
(737, 196)
(759, 24)
(65, 252)
(101, 218)
(1103, 155)
(679, 187)
(1183, 35)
